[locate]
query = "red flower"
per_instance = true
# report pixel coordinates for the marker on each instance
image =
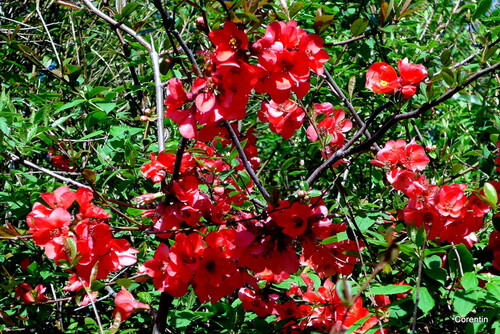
(50, 227)
(411, 74)
(382, 78)
(126, 305)
(62, 197)
(228, 41)
(293, 219)
(451, 200)
(28, 295)
(285, 118)
(335, 126)
(176, 98)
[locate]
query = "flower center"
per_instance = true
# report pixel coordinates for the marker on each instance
(383, 83)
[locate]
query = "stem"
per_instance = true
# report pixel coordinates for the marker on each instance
(155, 62)
(246, 163)
(160, 316)
(14, 158)
(345, 100)
(417, 289)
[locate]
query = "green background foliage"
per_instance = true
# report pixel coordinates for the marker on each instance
(71, 82)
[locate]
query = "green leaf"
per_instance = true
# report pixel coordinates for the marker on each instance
(321, 23)
(107, 107)
(482, 8)
(364, 221)
(359, 26)
(145, 297)
(61, 120)
(469, 281)
(494, 289)
(464, 302)
(491, 194)
(390, 289)
(124, 282)
(426, 302)
(130, 8)
(92, 135)
(69, 105)
(433, 268)
(295, 8)
(97, 285)
(4, 127)
(446, 58)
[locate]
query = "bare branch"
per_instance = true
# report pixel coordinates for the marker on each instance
(155, 63)
(246, 163)
(14, 158)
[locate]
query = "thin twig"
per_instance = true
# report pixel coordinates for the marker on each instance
(155, 63)
(59, 63)
(14, 158)
(340, 94)
(246, 163)
(417, 288)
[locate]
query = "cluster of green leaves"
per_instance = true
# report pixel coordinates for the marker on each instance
(72, 84)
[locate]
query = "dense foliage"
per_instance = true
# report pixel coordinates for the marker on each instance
(249, 167)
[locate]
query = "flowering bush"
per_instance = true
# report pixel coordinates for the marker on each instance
(258, 186)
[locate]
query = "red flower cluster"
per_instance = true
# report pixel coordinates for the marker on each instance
(221, 262)
(445, 212)
(286, 54)
(284, 118)
(184, 203)
(329, 130)
(320, 310)
(382, 78)
(83, 240)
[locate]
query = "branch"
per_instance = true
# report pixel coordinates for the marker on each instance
(345, 100)
(347, 41)
(246, 163)
(155, 62)
(14, 158)
(178, 158)
(393, 120)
